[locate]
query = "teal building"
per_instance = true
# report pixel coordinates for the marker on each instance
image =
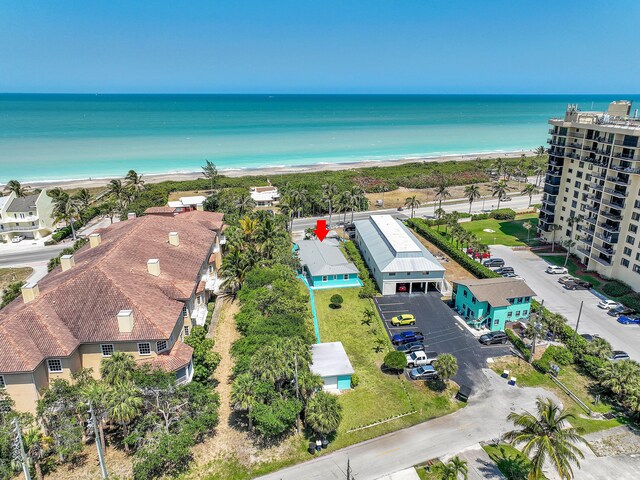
(330, 361)
(325, 266)
(492, 302)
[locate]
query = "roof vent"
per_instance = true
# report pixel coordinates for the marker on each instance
(131, 215)
(95, 239)
(30, 292)
(67, 262)
(174, 239)
(125, 321)
(153, 267)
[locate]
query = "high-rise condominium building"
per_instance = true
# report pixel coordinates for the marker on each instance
(592, 189)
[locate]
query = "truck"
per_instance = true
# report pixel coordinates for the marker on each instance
(407, 337)
(417, 359)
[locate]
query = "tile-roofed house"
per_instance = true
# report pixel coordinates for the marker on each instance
(166, 210)
(491, 302)
(76, 313)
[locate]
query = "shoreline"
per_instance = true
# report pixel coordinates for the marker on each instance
(279, 170)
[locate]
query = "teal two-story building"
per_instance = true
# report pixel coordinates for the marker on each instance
(325, 266)
(492, 302)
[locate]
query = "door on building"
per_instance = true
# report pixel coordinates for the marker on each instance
(402, 288)
(418, 287)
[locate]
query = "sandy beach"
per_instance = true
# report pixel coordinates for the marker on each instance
(156, 178)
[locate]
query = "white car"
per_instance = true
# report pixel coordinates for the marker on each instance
(608, 304)
(557, 270)
(17, 239)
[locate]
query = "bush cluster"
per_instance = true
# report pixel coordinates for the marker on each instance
(616, 289)
(553, 354)
(503, 214)
(519, 344)
(369, 288)
(476, 268)
(89, 214)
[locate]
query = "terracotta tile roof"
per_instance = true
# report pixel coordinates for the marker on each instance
(178, 357)
(81, 304)
(160, 210)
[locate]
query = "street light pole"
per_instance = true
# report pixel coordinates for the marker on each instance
(295, 360)
(579, 313)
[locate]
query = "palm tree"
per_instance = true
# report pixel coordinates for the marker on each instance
(442, 194)
(344, 203)
(568, 245)
(329, 191)
(248, 226)
(287, 209)
(446, 365)
(243, 394)
(540, 151)
(554, 229)
(298, 198)
(124, 404)
(538, 170)
(37, 447)
(356, 199)
(119, 194)
(454, 469)
(235, 267)
(620, 377)
(367, 316)
(117, 368)
(134, 182)
(547, 436)
(500, 188)
(499, 166)
(472, 192)
(83, 199)
(600, 348)
(412, 203)
(518, 172)
(323, 413)
(243, 203)
(211, 172)
(65, 208)
(97, 394)
(14, 186)
(529, 189)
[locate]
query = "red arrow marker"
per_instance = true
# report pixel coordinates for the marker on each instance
(321, 229)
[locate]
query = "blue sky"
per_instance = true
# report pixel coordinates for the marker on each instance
(320, 46)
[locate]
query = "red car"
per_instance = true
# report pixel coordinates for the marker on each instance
(402, 287)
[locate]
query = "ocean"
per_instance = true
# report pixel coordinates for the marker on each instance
(64, 137)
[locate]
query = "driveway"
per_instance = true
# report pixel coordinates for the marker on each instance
(567, 303)
(443, 333)
(484, 419)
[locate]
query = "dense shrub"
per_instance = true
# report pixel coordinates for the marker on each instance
(616, 289)
(476, 268)
(518, 343)
(480, 216)
(55, 261)
(395, 360)
(592, 365)
(10, 293)
(503, 214)
(559, 355)
(355, 380)
(631, 300)
(541, 365)
(336, 301)
(369, 288)
(205, 360)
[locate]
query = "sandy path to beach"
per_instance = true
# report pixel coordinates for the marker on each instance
(156, 178)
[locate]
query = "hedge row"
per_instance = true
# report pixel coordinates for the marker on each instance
(553, 353)
(503, 214)
(369, 288)
(616, 289)
(476, 268)
(519, 344)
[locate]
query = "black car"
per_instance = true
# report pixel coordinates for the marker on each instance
(621, 310)
(588, 337)
(493, 337)
(577, 284)
(411, 347)
(618, 355)
(493, 262)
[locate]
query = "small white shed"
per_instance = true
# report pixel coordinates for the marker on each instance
(330, 361)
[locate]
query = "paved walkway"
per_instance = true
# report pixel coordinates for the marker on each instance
(483, 419)
(312, 299)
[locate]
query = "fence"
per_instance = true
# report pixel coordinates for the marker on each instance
(572, 395)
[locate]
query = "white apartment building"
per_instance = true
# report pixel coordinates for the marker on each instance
(28, 216)
(592, 189)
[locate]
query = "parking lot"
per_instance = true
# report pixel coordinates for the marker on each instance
(443, 334)
(558, 299)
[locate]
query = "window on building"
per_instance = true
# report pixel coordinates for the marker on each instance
(635, 216)
(517, 313)
(408, 274)
(525, 313)
(186, 330)
(496, 322)
(578, 185)
(54, 365)
(637, 204)
(574, 204)
(630, 240)
(509, 314)
(464, 293)
(325, 278)
(633, 228)
(144, 348)
(107, 350)
(184, 310)
(345, 277)
(576, 193)
(161, 345)
(627, 251)
(624, 262)
(392, 274)
(473, 299)
(527, 299)
(2, 384)
(579, 173)
(636, 268)
(571, 170)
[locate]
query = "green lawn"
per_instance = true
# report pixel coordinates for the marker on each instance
(511, 462)
(573, 268)
(505, 232)
(579, 384)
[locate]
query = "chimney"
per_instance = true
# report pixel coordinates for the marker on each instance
(66, 262)
(94, 240)
(153, 267)
(30, 292)
(125, 321)
(131, 215)
(200, 207)
(174, 239)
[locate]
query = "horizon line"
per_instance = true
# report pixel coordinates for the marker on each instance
(315, 93)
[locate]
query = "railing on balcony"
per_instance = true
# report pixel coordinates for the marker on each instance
(626, 157)
(576, 135)
(618, 180)
(630, 170)
(586, 240)
(597, 187)
(607, 238)
(584, 251)
(617, 193)
(611, 216)
(555, 172)
(609, 228)
(604, 140)
(575, 145)
(548, 209)
(592, 208)
(20, 228)
(30, 218)
(618, 205)
(602, 249)
(602, 261)
(591, 220)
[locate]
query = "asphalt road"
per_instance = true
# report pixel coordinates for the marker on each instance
(28, 256)
(567, 302)
(443, 334)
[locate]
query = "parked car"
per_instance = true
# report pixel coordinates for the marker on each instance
(425, 372)
(492, 338)
(504, 270)
(512, 275)
(17, 239)
(566, 278)
(618, 355)
(411, 347)
(555, 270)
(407, 337)
(628, 320)
(493, 262)
(577, 284)
(349, 227)
(417, 359)
(621, 310)
(404, 319)
(608, 304)
(402, 287)
(589, 337)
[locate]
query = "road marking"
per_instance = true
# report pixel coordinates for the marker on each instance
(459, 327)
(385, 304)
(387, 452)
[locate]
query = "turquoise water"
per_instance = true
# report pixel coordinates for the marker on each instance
(47, 137)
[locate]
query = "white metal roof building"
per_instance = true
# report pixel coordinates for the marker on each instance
(396, 258)
(330, 361)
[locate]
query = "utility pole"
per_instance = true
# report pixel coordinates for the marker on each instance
(96, 434)
(20, 450)
(295, 360)
(535, 330)
(579, 313)
(349, 474)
